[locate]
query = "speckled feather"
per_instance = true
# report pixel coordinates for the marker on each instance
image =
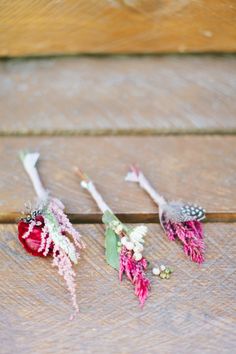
(181, 212)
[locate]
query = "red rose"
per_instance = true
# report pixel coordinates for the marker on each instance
(33, 241)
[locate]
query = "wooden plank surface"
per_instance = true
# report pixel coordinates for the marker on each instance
(116, 26)
(191, 168)
(193, 311)
(118, 95)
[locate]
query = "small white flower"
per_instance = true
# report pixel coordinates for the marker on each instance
(136, 239)
(129, 245)
(138, 247)
(162, 267)
(156, 271)
(124, 240)
(138, 233)
(138, 256)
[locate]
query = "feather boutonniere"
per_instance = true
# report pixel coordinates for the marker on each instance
(180, 221)
(124, 246)
(46, 230)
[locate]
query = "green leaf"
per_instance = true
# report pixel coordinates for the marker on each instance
(111, 244)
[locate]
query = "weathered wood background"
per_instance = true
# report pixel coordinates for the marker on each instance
(116, 26)
(176, 118)
(149, 95)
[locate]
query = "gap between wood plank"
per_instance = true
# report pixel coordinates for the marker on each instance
(96, 218)
(118, 132)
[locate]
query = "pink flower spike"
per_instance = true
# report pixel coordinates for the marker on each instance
(62, 261)
(57, 208)
(135, 272)
(190, 233)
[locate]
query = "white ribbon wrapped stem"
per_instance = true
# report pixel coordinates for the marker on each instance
(145, 184)
(96, 195)
(29, 161)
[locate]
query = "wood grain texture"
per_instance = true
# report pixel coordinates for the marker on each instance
(193, 311)
(116, 26)
(197, 169)
(118, 95)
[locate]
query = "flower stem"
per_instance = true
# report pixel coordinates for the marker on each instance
(97, 197)
(136, 175)
(29, 161)
(86, 183)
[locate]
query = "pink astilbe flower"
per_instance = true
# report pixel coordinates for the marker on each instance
(47, 244)
(30, 229)
(60, 258)
(135, 272)
(190, 233)
(57, 208)
(62, 261)
(44, 235)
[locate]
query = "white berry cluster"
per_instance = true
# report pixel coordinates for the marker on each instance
(134, 242)
(163, 272)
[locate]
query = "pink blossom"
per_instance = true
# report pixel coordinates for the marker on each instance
(62, 261)
(190, 233)
(60, 258)
(57, 208)
(44, 235)
(135, 272)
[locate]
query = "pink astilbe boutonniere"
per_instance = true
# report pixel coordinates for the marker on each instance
(47, 231)
(123, 245)
(180, 221)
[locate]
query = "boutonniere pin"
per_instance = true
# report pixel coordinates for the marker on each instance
(180, 221)
(124, 246)
(47, 231)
